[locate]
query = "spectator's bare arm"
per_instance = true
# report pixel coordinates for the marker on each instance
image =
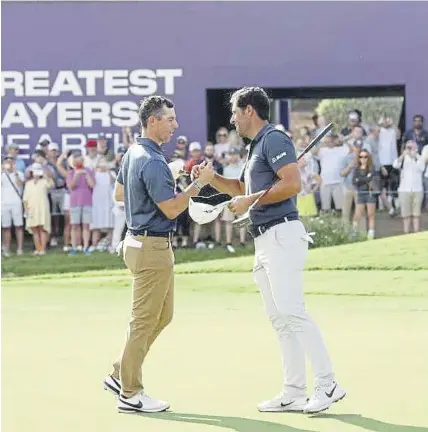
(62, 171)
(90, 178)
(119, 192)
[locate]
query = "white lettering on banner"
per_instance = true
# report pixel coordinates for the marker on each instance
(16, 113)
(66, 82)
(96, 111)
(73, 142)
(124, 113)
(44, 137)
(169, 75)
(116, 82)
(143, 82)
(69, 115)
(12, 80)
(37, 83)
(41, 113)
(90, 77)
(76, 99)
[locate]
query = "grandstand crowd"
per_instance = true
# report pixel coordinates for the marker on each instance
(353, 173)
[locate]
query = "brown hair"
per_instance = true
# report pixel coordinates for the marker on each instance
(369, 159)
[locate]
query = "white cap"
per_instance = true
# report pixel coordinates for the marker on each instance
(195, 146)
(175, 167)
(53, 146)
(37, 169)
(204, 210)
(354, 116)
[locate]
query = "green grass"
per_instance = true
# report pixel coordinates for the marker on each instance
(219, 357)
(408, 252)
(58, 262)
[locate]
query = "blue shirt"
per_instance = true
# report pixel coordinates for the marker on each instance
(347, 181)
(147, 180)
(269, 151)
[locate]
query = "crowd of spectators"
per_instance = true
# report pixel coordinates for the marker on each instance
(353, 173)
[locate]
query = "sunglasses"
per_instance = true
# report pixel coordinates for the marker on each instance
(222, 135)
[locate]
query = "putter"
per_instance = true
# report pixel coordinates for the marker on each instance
(244, 220)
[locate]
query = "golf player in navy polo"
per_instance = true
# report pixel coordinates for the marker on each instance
(146, 185)
(281, 246)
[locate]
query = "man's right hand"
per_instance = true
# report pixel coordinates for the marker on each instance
(206, 173)
(196, 171)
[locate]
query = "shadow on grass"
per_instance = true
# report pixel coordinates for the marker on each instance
(371, 424)
(238, 424)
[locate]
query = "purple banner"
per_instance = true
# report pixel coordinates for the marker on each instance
(73, 69)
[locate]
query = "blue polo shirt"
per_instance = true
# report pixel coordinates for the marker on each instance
(147, 180)
(269, 151)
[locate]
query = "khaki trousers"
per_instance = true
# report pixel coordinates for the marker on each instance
(349, 198)
(151, 262)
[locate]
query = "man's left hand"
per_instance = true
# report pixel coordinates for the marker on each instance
(240, 204)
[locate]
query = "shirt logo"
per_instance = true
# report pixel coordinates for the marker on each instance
(280, 156)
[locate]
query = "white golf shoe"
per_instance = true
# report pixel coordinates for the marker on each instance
(141, 402)
(324, 397)
(112, 385)
(284, 403)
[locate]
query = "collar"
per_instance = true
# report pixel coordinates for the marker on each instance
(262, 132)
(259, 136)
(146, 142)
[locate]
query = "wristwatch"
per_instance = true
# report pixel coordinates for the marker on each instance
(197, 184)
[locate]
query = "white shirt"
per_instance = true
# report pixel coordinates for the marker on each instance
(411, 174)
(8, 194)
(91, 163)
(387, 146)
(233, 171)
(424, 156)
(331, 163)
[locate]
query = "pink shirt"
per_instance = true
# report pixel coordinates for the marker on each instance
(81, 195)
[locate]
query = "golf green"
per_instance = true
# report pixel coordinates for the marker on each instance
(218, 358)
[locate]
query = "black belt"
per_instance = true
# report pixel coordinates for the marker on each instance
(258, 230)
(148, 233)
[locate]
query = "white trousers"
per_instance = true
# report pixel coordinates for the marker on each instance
(278, 272)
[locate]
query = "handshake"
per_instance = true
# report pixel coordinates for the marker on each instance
(204, 173)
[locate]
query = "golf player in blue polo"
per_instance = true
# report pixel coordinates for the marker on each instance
(281, 246)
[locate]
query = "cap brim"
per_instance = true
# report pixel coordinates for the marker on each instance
(203, 212)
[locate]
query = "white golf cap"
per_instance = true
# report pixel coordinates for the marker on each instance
(37, 169)
(53, 146)
(195, 146)
(175, 167)
(204, 210)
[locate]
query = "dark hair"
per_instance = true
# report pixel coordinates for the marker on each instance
(418, 116)
(254, 96)
(369, 159)
(152, 106)
(315, 119)
(358, 112)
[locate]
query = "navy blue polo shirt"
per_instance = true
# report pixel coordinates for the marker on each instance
(269, 151)
(147, 180)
